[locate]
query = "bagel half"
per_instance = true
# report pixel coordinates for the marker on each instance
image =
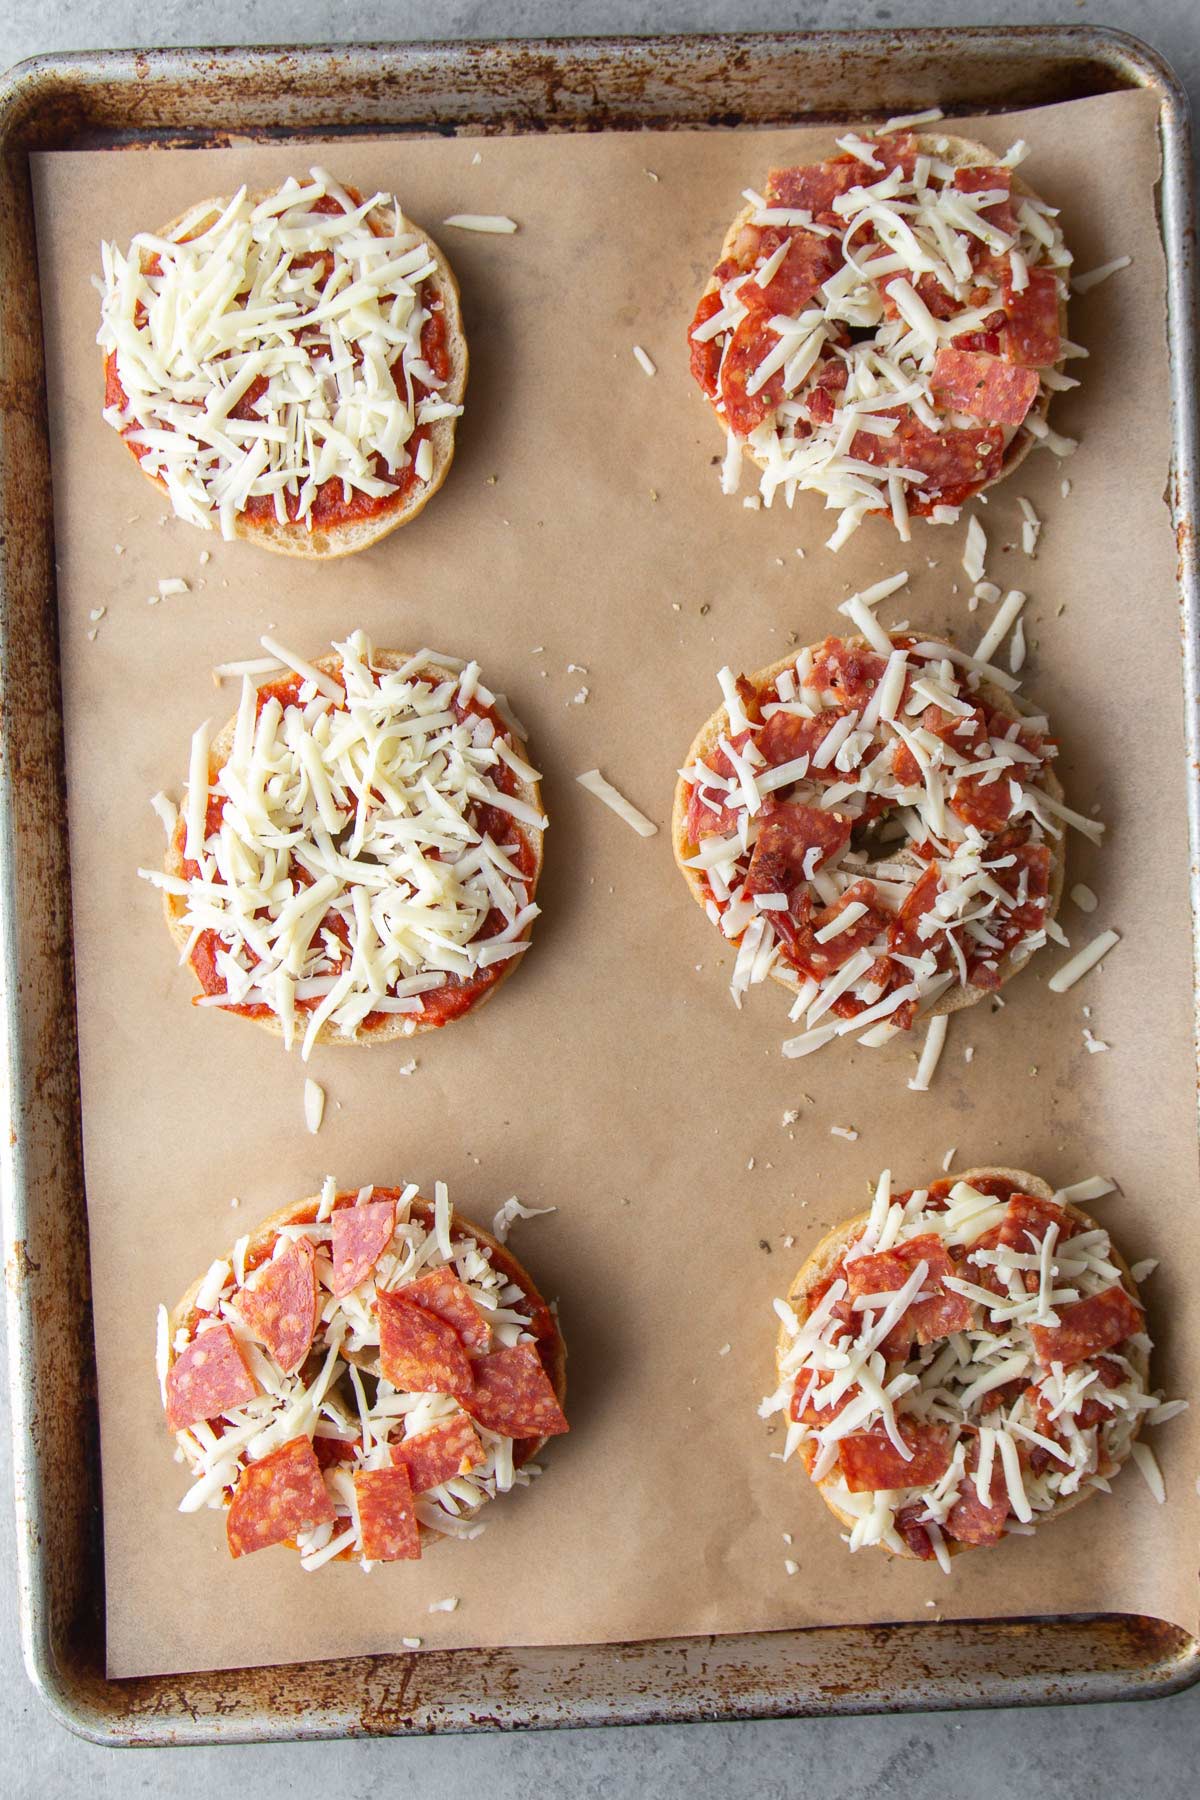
(543, 1326)
(705, 743)
(824, 1258)
(342, 537)
(959, 152)
(387, 1028)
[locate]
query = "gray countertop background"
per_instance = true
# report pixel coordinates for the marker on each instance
(1131, 1749)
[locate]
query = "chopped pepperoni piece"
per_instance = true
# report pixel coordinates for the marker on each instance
(884, 1271)
(847, 671)
(749, 344)
(1033, 334)
(800, 926)
(786, 836)
(954, 463)
(386, 1514)
(442, 1293)
(805, 1411)
(514, 1395)
(1086, 1327)
(969, 1520)
(904, 934)
(814, 188)
(360, 1236)
(1094, 1408)
(279, 1304)
(999, 392)
(787, 736)
(707, 816)
(331, 1451)
(1025, 1224)
(809, 262)
(419, 1353)
(927, 288)
(277, 1496)
(986, 804)
(207, 1379)
(914, 1533)
(871, 1463)
(706, 355)
(984, 179)
(450, 1448)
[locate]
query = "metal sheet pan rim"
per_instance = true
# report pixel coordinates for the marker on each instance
(179, 1712)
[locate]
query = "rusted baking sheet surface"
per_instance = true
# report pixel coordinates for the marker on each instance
(211, 97)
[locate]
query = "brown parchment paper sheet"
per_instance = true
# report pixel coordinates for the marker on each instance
(582, 523)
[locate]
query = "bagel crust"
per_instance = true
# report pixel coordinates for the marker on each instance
(706, 823)
(989, 391)
(334, 503)
(440, 1003)
(346, 1337)
(1047, 1413)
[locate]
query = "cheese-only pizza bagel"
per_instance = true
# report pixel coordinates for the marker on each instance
(963, 1362)
(358, 852)
(878, 826)
(886, 328)
(288, 366)
(359, 1376)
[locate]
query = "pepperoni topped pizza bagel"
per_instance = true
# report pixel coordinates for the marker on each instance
(359, 1377)
(289, 365)
(886, 328)
(876, 825)
(964, 1362)
(359, 849)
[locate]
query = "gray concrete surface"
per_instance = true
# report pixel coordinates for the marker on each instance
(1150, 1748)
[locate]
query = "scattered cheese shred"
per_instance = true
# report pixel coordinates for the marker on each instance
(595, 784)
(1082, 961)
(931, 1050)
(314, 1105)
(643, 361)
(497, 223)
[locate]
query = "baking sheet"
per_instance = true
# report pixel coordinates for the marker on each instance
(612, 1077)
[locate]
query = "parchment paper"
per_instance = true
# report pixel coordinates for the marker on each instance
(582, 523)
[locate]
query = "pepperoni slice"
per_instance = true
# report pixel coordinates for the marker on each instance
(360, 1236)
(1033, 335)
(386, 1515)
(1092, 1411)
(884, 1271)
(1025, 1224)
(985, 804)
(969, 1519)
(999, 392)
(1086, 1327)
(447, 1449)
(787, 736)
(751, 341)
(514, 1395)
(786, 836)
(815, 187)
(418, 1352)
(847, 671)
(800, 926)
(279, 1304)
(276, 1497)
(442, 1293)
(871, 1463)
(809, 262)
(705, 355)
(805, 1411)
(984, 179)
(955, 464)
(713, 820)
(207, 1379)
(904, 934)
(914, 1533)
